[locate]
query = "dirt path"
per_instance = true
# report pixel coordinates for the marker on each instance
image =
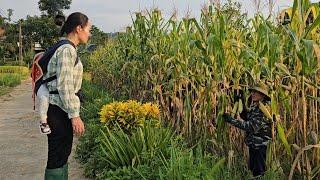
(23, 150)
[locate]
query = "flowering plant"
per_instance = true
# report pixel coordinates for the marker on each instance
(129, 114)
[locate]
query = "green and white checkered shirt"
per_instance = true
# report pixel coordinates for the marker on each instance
(68, 82)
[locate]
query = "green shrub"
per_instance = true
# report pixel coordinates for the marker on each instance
(121, 149)
(95, 98)
(11, 76)
(88, 150)
(12, 62)
(88, 142)
(148, 152)
(179, 162)
(23, 71)
(128, 173)
(28, 58)
(10, 79)
(195, 163)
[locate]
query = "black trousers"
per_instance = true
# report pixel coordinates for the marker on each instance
(60, 139)
(257, 160)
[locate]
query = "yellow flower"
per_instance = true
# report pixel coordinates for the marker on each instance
(151, 110)
(129, 114)
(155, 112)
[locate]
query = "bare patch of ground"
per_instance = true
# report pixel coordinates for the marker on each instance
(23, 150)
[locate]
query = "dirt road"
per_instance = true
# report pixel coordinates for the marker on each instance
(23, 150)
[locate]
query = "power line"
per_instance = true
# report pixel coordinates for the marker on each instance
(2, 13)
(2, 10)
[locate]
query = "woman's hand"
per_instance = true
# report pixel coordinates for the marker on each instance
(78, 126)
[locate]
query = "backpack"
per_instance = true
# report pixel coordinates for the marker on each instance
(40, 67)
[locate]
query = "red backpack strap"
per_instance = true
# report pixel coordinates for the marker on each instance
(36, 73)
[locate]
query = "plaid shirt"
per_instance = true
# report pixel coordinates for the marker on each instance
(68, 82)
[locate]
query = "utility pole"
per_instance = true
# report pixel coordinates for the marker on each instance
(20, 44)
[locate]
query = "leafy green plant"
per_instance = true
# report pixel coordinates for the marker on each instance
(23, 71)
(122, 149)
(88, 150)
(10, 79)
(94, 98)
(193, 69)
(194, 163)
(128, 173)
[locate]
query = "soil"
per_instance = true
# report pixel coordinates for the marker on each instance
(23, 150)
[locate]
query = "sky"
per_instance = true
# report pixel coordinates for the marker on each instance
(115, 15)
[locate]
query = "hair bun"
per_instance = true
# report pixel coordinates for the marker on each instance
(59, 19)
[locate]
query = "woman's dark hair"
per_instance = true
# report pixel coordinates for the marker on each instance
(74, 20)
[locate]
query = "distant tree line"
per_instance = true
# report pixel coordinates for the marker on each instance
(41, 29)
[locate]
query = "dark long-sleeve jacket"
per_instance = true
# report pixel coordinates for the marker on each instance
(256, 125)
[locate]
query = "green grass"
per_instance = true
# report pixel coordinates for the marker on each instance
(23, 71)
(11, 76)
(10, 79)
(4, 90)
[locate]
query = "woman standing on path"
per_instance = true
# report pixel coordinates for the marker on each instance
(64, 109)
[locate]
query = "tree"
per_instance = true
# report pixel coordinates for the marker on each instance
(52, 8)
(9, 43)
(1, 21)
(98, 37)
(39, 29)
(10, 13)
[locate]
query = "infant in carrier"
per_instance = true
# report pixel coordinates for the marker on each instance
(43, 105)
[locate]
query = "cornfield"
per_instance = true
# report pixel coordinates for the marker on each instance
(194, 68)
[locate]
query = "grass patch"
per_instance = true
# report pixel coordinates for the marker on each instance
(23, 71)
(4, 90)
(10, 79)
(11, 76)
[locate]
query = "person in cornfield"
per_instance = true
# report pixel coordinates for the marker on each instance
(257, 127)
